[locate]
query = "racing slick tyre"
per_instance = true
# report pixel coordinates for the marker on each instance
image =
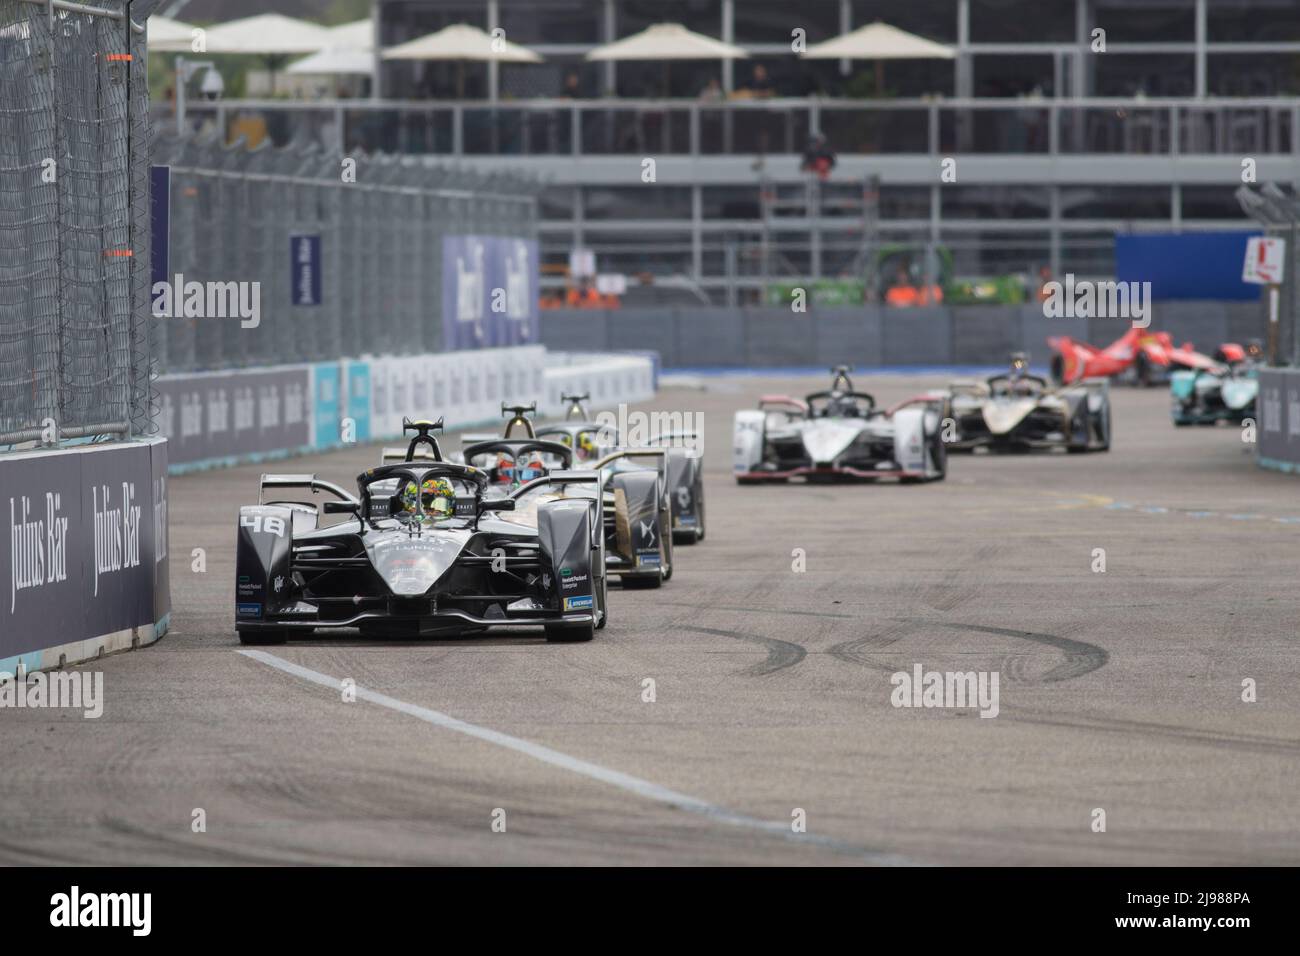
(1142, 369)
(263, 638)
(1103, 422)
(699, 516)
(647, 581)
(602, 590)
(1058, 370)
(569, 633)
(939, 453)
(666, 549)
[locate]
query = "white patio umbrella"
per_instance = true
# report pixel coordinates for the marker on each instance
(335, 63)
(879, 41)
(169, 36)
(269, 35)
(461, 43)
(357, 35)
(667, 42)
(350, 52)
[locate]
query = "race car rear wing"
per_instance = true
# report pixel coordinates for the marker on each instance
(392, 454)
(559, 477)
(776, 401)
(660, 453)
(935, 397)
(673, 436)
(301, 481)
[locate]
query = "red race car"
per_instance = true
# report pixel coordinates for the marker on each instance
(1147, 353)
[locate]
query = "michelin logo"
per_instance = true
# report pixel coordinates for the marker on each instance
(584, 603)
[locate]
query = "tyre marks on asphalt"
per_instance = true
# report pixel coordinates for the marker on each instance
(780, 654)
(1080, 657)
(757, 609)
(1224, 740)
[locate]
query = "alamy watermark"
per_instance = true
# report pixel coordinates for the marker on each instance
(74, 690)
(952, 689)
(179, 299)
(1085, 299)
(654, 429)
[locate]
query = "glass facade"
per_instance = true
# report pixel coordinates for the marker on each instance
(729, 206)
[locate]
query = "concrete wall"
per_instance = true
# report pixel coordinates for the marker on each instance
(870, 336)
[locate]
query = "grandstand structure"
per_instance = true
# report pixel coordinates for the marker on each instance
(1065, 121)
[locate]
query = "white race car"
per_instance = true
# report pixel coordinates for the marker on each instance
(839, 435)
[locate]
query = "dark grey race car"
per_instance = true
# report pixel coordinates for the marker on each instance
(684, 477)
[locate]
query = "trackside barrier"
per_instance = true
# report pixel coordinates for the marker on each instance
(870, 336)
(608, 379)
(1277, 444)
(84, 562)
(221, 418)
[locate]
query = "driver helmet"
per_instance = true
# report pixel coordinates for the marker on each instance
(1019, 365)
(505, 468)
(586, 446)
(438, 498)
(410, 498)
(533, 468)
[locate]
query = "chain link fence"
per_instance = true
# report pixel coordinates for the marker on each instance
(74, 220)
(381, 220)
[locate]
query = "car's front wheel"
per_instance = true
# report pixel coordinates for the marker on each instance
(262, 638)
(570, 633)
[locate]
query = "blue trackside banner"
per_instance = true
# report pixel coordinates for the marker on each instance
(160, 218)
(489, 292)
(305, 264)
(1189, 265)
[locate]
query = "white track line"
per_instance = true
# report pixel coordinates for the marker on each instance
(642, 788)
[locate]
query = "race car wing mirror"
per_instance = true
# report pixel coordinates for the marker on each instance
(497, 504)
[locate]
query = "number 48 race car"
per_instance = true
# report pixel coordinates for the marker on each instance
(422, 550)
(839, 435)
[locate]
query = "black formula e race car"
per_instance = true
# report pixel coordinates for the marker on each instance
(423, 550)
(591, 440)
(632, 485)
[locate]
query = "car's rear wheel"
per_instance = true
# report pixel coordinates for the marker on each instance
(666, 543)
(602, 598)
(261, 638)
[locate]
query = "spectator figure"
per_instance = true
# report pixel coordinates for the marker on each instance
(572, 89)
(818, 157)
(761, 85)
(1044, 277)
(712, 92)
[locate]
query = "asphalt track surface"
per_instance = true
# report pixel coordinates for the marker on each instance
(1118, 690)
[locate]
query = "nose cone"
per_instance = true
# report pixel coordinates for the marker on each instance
(1002, 416)
(412, 565)
(826, 441)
